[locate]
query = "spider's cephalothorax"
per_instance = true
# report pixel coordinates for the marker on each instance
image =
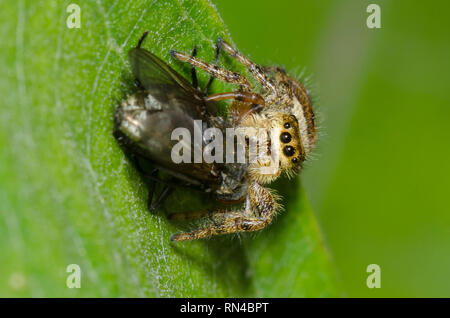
(281, 110)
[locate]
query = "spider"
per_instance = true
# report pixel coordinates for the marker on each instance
(280, 110)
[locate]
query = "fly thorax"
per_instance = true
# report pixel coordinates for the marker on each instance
(133, 113)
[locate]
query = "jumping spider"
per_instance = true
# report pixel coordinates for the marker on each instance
(166, 100)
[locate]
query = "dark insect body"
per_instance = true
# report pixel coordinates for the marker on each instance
(281, 111)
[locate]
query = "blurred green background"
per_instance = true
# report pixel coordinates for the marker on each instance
(379, 182)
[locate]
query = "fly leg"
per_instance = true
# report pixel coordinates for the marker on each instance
(160, 199)
(153, 177)
(141, 40)
(151, 190)
(167, 189)
(193, 71)
(143, 36)
(216, 61)
(259, 210)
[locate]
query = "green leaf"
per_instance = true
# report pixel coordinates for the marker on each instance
(69, 195)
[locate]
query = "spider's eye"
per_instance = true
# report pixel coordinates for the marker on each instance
(289, 151)
(285, 137)
(295, 160)
(287, 125)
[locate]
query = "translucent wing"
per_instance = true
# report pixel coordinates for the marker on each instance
(166, 102)
(153, 73)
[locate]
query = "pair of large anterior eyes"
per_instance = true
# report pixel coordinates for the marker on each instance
(286, 138)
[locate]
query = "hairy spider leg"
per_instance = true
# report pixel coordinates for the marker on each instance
(244, 95)
(183, 216)
(256, 70)
(258, 212)
(220, 73)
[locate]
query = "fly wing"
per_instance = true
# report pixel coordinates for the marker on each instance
(152, 72)
(167, 102)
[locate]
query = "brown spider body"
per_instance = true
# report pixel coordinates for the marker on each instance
(282, 111)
